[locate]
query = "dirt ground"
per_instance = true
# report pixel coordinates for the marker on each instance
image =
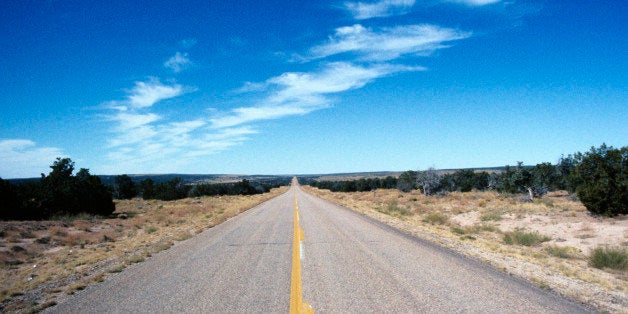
(43, 261)
(475, 224)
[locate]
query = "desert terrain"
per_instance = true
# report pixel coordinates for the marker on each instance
(479, 224)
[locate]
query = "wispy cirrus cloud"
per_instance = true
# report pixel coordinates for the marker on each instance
(475, 3)
(148, 142)
(146, 94)
(386, 44)
(382, 8)
(178, 62)
(371, 55)
(295, 93)
(22, 158)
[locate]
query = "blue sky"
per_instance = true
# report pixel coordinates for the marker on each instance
(296, 87)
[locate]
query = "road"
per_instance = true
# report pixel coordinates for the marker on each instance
(349, 263)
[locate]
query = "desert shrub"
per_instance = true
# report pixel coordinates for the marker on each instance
(465, 180)
(407, 181)
(563, 251)
(520, 237)
(435, 219)
(602, 180)
(609, 257)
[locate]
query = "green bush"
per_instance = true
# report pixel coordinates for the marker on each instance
(519, 237)
(609, 257)
(602, 180)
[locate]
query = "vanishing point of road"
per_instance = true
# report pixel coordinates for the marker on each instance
(348, 264)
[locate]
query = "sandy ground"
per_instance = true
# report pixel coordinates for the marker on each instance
(581, 231)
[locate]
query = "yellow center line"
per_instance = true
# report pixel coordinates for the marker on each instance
(296, 293)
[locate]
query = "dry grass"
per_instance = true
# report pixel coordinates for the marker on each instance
(520, 237)
(72, 252)
(479, 224)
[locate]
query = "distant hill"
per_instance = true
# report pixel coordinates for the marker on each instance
(196, 178)
(227, 178)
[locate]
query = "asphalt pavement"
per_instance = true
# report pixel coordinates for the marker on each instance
(350, 264)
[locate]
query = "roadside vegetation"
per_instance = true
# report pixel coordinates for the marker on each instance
(60, 193)
(64, 193)
(610, 257)
(45, 260)
(598, 178)
(562, 226)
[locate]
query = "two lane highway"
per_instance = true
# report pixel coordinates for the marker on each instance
(349, 264)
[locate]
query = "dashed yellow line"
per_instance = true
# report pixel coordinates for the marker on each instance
(296, 293)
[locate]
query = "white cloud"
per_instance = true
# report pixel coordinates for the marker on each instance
(146, 142)
(20, 158)
(301, 93)
(146, 94)
(174, 146)
(387, 43)
(382, 8)
(475, 2)
(127, 121)
(178, 62)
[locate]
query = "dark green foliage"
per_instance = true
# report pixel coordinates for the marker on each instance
(147, 188)
(602, 175)
(360, 185)
(514, 179)
(600, 178)
(565, 168)
(176, 189)
(10, 201)
(166, 191)
(535, 181)
(63, 193)
(59, 193)
(93, 196)
(124, 187)
(465, 180)
(407, 181)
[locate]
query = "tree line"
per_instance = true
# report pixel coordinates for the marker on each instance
(599, 178)
(176, 188)
(360, 185)
(64, 193)
(61, 192)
